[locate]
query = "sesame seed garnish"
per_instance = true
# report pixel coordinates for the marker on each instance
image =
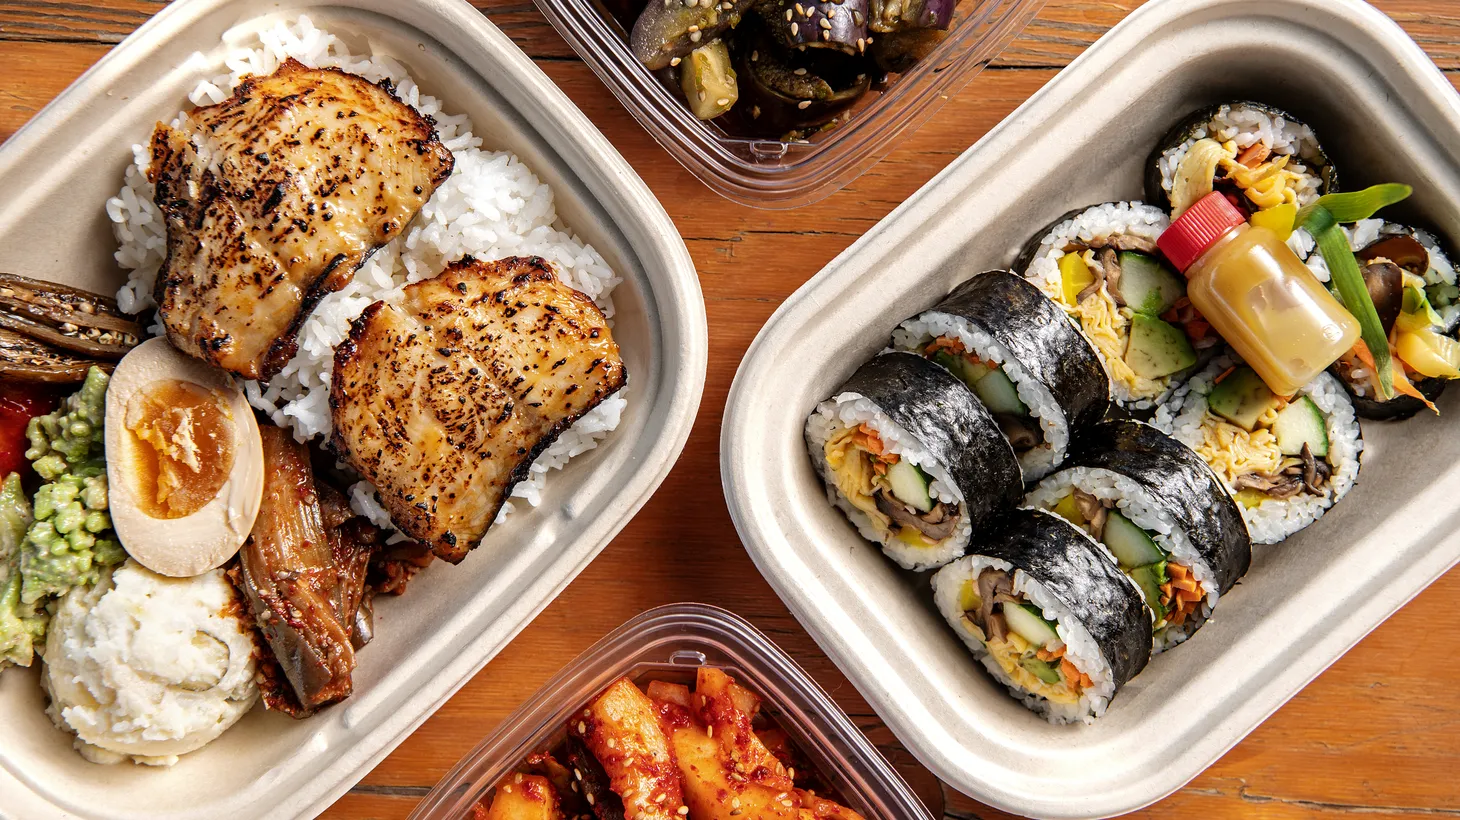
(701, 95)
(754, 56)
(788, 15)
(517, 778)
(507, 789)
(660, 797)
(676, 61)
(800, 72)
(755, 112)
(613, 744)
(682, 811)
(786, 803)
(694, 36)
(831, 12)
(582, 727)
(589, 797)
(799, 10)
(825, 35)
(857, 17)
(578, 773)
(722, 102)
(734, 802)
(693, 29)
(794, 29)
(824, 23)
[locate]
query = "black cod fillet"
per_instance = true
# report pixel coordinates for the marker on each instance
(444, 399)
(273, 198)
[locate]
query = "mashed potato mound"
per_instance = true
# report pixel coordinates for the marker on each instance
(146, 668)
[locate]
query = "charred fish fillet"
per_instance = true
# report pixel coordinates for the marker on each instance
(444, 399)
(273, 198)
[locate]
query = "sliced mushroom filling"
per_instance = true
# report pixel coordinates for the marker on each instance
(894, 493)
(1017, 635)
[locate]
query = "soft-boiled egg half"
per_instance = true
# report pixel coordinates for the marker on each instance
(184, 464)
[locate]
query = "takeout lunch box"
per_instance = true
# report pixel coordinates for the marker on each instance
(670, 643)
(773, 173)
(58, 172)
(1384, 114)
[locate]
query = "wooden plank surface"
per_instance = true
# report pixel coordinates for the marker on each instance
(1378, 734)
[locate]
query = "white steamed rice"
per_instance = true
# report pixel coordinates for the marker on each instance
(1132, 500)
(1246, 126)
(1080, 647)
(1038, 461)
(1274, 520)
(852, 409)
(491, 207)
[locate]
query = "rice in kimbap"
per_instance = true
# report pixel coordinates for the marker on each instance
(1260, 156)
(1413, 286)
(1102, 266)
(1023, 359)
(1047, 614)
(912, 458)
(1287, 460)
(1160, 513)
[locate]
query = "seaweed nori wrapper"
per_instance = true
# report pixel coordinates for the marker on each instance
(1178, 480)
(950, 423)
(1039, 336)
(1071, 566)
(1187, 128)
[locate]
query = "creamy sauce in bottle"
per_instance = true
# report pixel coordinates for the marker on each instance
(1258, 295)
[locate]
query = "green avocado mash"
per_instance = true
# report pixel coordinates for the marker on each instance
(67, 538)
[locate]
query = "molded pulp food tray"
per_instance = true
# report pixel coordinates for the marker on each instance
(58, 172)
(670, 643)
(1384, 113)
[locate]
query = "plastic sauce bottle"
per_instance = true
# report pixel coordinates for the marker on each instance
(1258, 295)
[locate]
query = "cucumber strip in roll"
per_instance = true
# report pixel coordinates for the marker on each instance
(1042, 607)
(1157, 509)
(1101, 265)
(912, 458)
(1021, 356)
(1287, 461)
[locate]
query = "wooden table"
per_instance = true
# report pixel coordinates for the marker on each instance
(1378, 734)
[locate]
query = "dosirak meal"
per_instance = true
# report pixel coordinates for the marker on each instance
(1233, 330)
(779, 68)
(367, 336)
(664, 751)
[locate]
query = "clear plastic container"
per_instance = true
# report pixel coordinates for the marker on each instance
(669, 643)
(770, 173)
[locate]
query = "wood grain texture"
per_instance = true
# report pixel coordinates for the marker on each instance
(1375, 735)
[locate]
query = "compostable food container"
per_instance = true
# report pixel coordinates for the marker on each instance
(670, 643)
(1385, 114)
(772, 173)
(58, 172)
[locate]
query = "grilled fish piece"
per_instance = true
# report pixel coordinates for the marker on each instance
(273, 198)
(443, 400)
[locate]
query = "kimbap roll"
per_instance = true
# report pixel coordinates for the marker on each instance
(1047, 614)
(1413, 286)
(912, 458)
(1285, 459)
(1101, 265)
(1023, 359)
(1260, 156)
(1160, 514)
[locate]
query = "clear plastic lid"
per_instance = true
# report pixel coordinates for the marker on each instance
(669, 643)
(768, 173)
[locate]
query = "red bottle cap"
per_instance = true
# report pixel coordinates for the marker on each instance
(1199, 228)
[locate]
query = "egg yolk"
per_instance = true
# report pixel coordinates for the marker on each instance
(182, 436)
